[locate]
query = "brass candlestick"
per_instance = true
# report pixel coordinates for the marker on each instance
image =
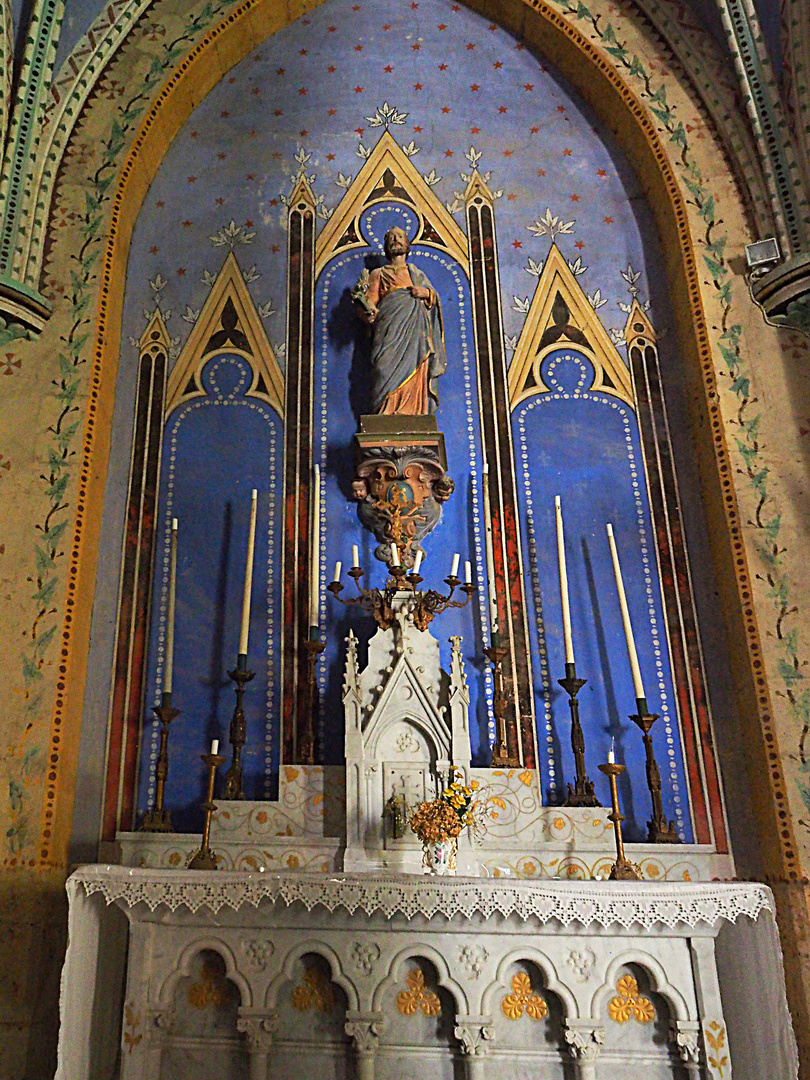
(659, 830)
(306, 745)
(238, 731)
(622, 869)
(501, 758)
(581, 792)
(158, 819)
(205, 859)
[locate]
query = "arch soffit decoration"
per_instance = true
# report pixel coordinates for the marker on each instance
(443, 977)
(613, 100)
(543, 963)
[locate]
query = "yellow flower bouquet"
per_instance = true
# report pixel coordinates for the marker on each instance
(445, 817)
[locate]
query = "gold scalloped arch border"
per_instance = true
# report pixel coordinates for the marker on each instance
(557, 40)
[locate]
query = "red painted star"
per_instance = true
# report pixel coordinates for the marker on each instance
(277, 112)
(154, 250)
(417, 86)
(492, 27)
(474, 130)
(331, 69)
(560, 108)
(507, 153)
(579, 245)
(608, 220)
(221, 156)
(566, 153)
(192, 179)
(250, 176)
(445, 109)
(601, 172)
(303, 133)
(358, 48)
(280, 71)
(274, 202)
(541, 172)
(442, 26)
(232, 80)
(225, 113)
(358, 89)
(332, 112)
(303, 90)
(534, 130)
(497, 65)
(470, 45)
(517, 244)
(417, 129)
(181, 271)
(528, 86)
(194, 135)
(416, 46)
(160, 204)
(332, 29)
(575, 198)
(475, 87)
(448, 153)
(274, 247)
(511, 196)
(330, 157)
(359, 131)
(219, 202)
(255, 90)
(442, 67)
(248, 224)
(302, 52)
(387, 26)
(502, 109)
(388, 68)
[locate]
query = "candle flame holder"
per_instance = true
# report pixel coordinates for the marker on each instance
(659, 830)
(422, 607)
(581, 792)
(622, 869)
(205, 859)
(158, 819)
(238, 731)
(501, 700)
(306, 743)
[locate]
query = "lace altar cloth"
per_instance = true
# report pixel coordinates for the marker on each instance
(645, 904)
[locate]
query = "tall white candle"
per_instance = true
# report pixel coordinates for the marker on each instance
(566, 606)
(638, 686)
(417, 562)
(315, 557)
(468, 573)
(454, 568)
(243, 634)
(395, 555)
(214, 747)
(490, 549)
(338, 567)
(168, 667)
(355, 555)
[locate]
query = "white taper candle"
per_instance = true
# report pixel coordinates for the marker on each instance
(417, 562)
(468, 573)
(214, 747)
(454, 568)
(566, 606)
(168, 666)
(338, 567)
(243, 634)
(632, 655)
(395, 555)
(612, 752)
(355, 555)
(315, 557)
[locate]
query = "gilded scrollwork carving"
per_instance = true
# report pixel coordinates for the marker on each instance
(523, 999)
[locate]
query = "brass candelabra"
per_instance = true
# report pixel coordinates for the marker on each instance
(659, 830)
(581, 792)
(422, 606)
(238, 730)
(205, 859)
(158, 818)
(622, 869)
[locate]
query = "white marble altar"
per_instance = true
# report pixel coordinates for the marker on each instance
(383, 977)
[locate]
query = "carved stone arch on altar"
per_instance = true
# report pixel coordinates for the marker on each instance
(186, 959)
(551, 982)
(312, 947)
(443, 977)
(227, 322)
(660, 984)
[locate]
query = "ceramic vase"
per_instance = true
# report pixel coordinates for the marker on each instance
(440, 858)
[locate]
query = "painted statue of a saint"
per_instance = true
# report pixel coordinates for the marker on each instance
(407, 352)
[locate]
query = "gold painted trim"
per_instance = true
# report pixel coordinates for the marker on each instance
(229, 285)
(387, 154)
(557, 277)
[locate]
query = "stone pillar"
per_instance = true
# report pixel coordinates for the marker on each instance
(258, 1026)
(685, 1034)
(364, 1030)
(584, 1039)
(475, 1034)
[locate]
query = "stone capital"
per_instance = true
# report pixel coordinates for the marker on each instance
(258, 1026)
(475, 1034)
(364, 1030)
(685, 1035)
(584, 1039)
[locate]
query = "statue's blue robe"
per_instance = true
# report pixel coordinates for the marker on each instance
(406, 333)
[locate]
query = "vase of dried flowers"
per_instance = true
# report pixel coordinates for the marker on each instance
(438, 825)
